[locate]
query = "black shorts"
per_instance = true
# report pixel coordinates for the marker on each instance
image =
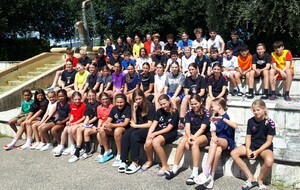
(170, 137)
(254, 148)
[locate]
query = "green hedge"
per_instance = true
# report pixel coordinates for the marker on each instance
(21, 49)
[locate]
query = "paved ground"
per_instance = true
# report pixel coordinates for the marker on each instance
(30, 169)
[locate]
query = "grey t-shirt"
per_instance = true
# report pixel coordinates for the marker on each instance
(172, 82)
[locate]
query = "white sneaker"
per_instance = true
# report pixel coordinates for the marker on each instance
(54, 149)
(117, 162)
(40, 145)
(34, 145)
(73, 159)
(59, 150)
(69, 150)
(85, 156)
(46, 147)
(99, 157)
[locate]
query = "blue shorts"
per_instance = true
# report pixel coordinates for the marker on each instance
(181, 95)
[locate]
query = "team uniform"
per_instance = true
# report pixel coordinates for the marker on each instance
(196, 121)
(77, 111)
(235, 46)
(217, 85)
(164, 119)
(134, 80)
(119, 116)
(134, 137)
(85, 61)
(68, 77)
(105, 80)
(91, 111)
(42, 106)
(259, 132)
(200, 62)
(223, 130)
(195, 85)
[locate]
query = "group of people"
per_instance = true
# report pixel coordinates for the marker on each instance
(136, 98)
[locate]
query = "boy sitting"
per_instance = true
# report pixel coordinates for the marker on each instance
(230, 68)
(245, 63)
(282, 69)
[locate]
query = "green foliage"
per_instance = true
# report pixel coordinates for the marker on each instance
(21, 49)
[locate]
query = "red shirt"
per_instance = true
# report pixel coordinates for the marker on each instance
(103, 113)
(147, 46)
(77, 111)
(74, 61)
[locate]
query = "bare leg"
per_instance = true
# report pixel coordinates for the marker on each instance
(268, 157)
(158, 143)
(118, 133)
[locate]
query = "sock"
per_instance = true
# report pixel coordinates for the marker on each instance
(118, 157)
(13, 142)
(195, 171)
(102, 150)
(287, 93)
(181, 119)
(266, 91)
(240, 87)
(72, 146)
(87, 147)
(247, 88)
(273, 92)
(28, 141)
(175, 168)
(234, 88)
(77, 151)
(206, 170)
(251, 91)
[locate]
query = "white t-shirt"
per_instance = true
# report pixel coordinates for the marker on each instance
(159, 81)
(140, 61)
(171, 61)
(202, 43)
(51, 107)
(232, 63)
(186, 62)
(217, 42)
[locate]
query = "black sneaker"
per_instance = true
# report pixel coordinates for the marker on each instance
(264, 97)
(287, 98)
(234, 92)
(249, 96)
(272, 97)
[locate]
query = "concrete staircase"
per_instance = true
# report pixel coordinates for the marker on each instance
(36, 72)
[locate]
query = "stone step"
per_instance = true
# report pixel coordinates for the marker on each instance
(25, 78)
(5, 88)
(33, 73)
(14, 82)
(296, 64)
(42, 69)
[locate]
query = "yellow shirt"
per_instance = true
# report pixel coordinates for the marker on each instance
(81, 78)
(281, 60)
(136, 49)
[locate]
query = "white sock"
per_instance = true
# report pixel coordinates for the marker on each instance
(107, 152)
(28, 141)
(72, 146)
(195, 171)
(240, 87)
(247, 88)
(118, 157)
(175, 168)
(13, 142)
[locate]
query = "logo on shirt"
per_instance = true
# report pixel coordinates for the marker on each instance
(116, 116)
(254, 128)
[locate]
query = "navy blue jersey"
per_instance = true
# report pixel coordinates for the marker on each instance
(119, 116)
(63, 110)
(196, 121)
(165, 118)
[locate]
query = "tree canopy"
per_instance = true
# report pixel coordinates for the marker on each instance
(258, 20)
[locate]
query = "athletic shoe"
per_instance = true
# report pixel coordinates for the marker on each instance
(99, 157)
(287, 98)
(234, 92)
(73, 159)
(190, 180)
(46, 147)
(122, 168)
(117, 162)
(272, 97)
(240, 93)
(106, 157)
(54, 149)
(34, 145)
(85, 156)
(58, 151)
(39, 146)
(249, 96)
(132, 168)
(8, 147)
(264, 97)
(69, 150)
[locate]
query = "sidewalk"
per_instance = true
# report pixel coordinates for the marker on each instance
(30, 169)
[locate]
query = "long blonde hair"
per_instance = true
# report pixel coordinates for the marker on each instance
(166, 97)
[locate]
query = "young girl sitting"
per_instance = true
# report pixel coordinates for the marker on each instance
(115, 125)
(159, 83)
(118, 80)
(47, 119)
(217, 85)
(87, 128)
(147, 82)
(260, 134)
(102, 114)
(142, 117)
(25, 109)
(162, 131)
(132, 82)
(222, 137)
(77, 116)
(37, 110)
(197, 134)
(106, 84)
(62, 108)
